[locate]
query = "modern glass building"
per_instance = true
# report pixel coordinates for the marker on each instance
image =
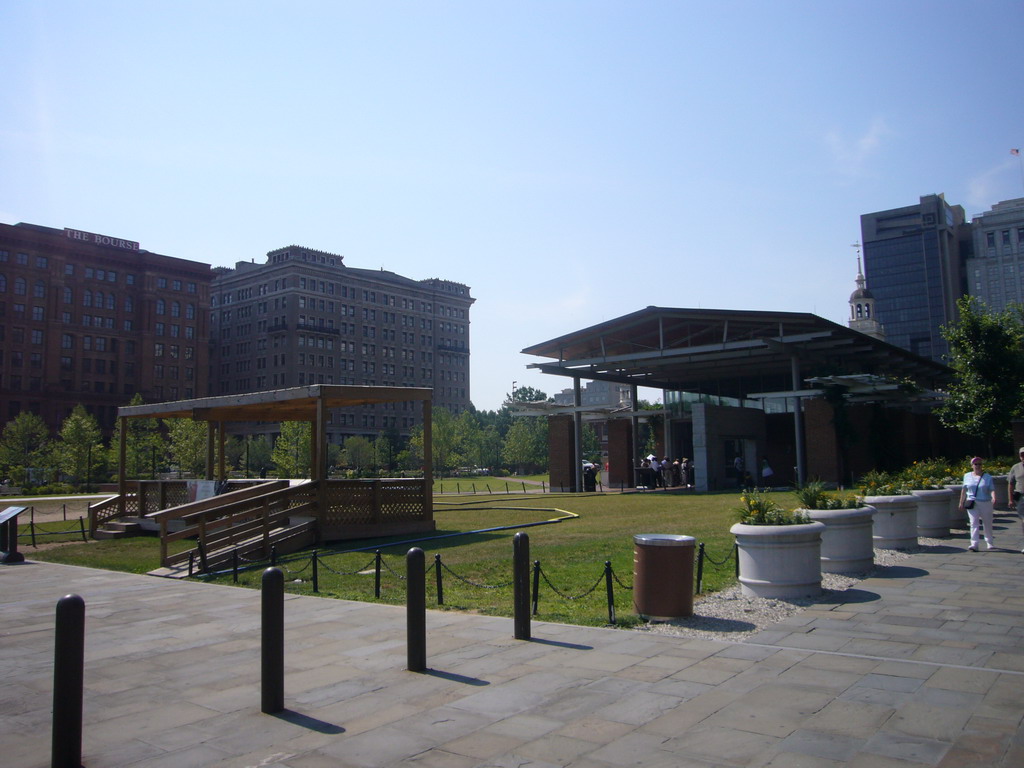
(913, 258)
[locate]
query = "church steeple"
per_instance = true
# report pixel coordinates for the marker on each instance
(862, 306)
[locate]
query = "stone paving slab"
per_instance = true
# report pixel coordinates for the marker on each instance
(920, 665)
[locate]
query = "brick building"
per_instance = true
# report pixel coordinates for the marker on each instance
(305, 317)
(93, 319)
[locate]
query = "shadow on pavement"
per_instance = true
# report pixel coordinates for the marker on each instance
(898, 572)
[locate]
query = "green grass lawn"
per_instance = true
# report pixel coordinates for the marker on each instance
(477, 567)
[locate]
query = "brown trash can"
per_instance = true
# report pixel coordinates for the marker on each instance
(663, 575)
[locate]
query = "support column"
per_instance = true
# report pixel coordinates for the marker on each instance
(798, 423)
(221, 473)
(635, 422)
(577, 424)
(209, 450)
(320, 428)
(428, 462)
(122, 482)
(667, 430)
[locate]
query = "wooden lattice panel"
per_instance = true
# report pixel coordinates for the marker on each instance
(349, 502)
(401, 501)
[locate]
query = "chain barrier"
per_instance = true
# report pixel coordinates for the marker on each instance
(564, 596)
(379, 564)
(627, 587)
(346, 573)
(34, 532)
(471, 583)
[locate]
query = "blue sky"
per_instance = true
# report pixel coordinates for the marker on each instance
(570, 161)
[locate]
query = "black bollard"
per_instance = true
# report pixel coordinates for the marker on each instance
(536, 585)
(316, 573)
(68, 679)
(272, 659)
(376, 574)
(438, 581)
(700, 568)
(521, 585)
(416, 609)
(608, 587)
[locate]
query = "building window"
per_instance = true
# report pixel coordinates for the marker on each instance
(20, 286)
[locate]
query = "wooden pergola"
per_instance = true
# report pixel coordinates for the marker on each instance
(310, 403)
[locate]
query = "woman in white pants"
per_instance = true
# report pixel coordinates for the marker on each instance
(976, 499)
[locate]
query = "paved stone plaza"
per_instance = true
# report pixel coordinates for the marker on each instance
(922, 665)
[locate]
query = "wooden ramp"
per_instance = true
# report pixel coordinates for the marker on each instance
(247, 524)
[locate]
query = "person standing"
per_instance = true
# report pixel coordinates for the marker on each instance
(976, 499)
(767, 474)
(1015, 495)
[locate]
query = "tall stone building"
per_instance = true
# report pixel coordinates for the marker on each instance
(305, 317)
(995, 271)
(93, 319)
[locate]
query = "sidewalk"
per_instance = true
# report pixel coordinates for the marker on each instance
(922, 665)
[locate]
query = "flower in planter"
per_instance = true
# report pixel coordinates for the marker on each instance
(758, 509)
(876, 483)
(814, 496)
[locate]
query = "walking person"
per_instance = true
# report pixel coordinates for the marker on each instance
(976, 499)
(1015, 489)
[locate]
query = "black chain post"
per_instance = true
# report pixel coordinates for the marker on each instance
(700, 568)
(316, 574)
(273, 555)
(611, 595)
(272, 657)
(438, 579)
(521, 585)
(536, 585)
(81, 528)
(68, 681)
(376, 574)
(191, 562)
(736, 554)
(234, 565)
(416, 610)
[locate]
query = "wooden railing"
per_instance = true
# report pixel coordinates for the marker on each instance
(109, 509)
(227, 521)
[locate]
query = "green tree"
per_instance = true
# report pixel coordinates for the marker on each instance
(527, 395)
(358, 453)
(291, 449)
(986, 350)
(259, 456)
(187, 445)
(591, 444)
(143, 446)
(23, 444)
(79, 449)
(526, 444)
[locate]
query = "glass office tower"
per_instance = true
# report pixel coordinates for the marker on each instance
(913, 260)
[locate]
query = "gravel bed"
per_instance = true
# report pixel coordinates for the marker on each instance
(730, 615)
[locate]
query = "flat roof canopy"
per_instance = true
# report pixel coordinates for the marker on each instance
(729, 353)
(293, 404)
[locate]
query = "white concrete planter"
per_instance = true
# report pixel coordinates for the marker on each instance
(846, 542)
(895, 521)
(779, 560)
(1000, 491)
(933, 513)
(957, 518)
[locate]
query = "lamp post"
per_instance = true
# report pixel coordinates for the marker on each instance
(514, 391)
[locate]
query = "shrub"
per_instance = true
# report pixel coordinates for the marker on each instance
(814, 496)
(759, 509)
